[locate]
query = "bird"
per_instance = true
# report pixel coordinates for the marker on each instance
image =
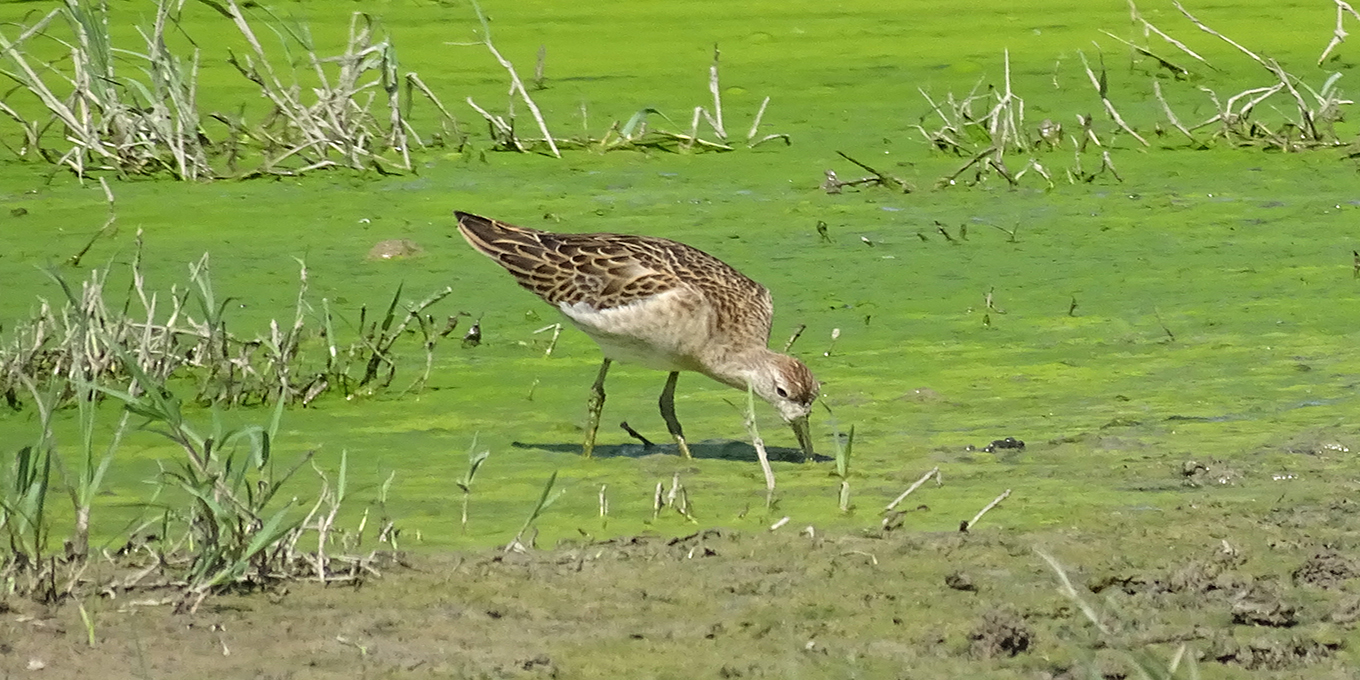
(658, 303)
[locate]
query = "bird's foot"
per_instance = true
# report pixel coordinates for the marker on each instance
(684, 448)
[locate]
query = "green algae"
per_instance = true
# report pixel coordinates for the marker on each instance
(1239, 254)
(1214, 292)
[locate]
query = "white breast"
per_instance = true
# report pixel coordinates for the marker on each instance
(663, 332)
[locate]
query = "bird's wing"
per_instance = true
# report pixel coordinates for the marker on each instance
(603, 270)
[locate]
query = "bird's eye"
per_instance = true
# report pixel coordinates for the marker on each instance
(781, 392)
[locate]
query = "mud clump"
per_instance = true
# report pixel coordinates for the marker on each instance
(960, 581)
(1275, 655)
(1196, 577)
(1262, 609)
(393, 249)
(1001, 633)
(1196, 474)
(1347, 612)
(1327, 569)
(1218, 574)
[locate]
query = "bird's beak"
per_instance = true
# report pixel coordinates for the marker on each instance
(802, 431)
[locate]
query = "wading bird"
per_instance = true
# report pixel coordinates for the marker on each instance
(658, 303)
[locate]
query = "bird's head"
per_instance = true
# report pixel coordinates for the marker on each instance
(788, 385)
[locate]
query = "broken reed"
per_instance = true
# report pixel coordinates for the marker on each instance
(134, 110)
(147, 124)
(634, 134)
(987, 125)
(138, 113)
(81, 341)
(844, 448)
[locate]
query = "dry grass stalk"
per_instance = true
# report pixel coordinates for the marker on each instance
(1171, 115)
(1149, 29)
(1339, 33)
(448, 121)
(716, 118)
(516, 87)
(637, 134)
(1234, 117)
(1101, 87)
(1077, 174)
(1038, 169)
(1008, 116)
(1313, 126)
(1204, 27)
(990, 152)
(1180, 71)
(338, 128)
(986, 139)
(111, 121)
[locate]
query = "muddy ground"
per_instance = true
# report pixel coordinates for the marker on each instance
(1271, 597)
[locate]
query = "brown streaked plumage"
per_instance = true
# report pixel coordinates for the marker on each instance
(656, 302)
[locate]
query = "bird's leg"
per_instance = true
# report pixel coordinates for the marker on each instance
(668, 413)
(594, 405)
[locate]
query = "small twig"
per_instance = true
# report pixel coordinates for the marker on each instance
(556, 328)
(1158, 314)
(924, 478)
(1011, 234)
(949, 179)
(872, 560)
(755, 124)
(939, 227)
(1107, 163)
(798, 332)
(989, 301)
(74, 260)
(646, 443)
(995, 502)
(674, 491)
(883, 178)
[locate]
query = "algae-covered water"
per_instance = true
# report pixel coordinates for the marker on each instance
(1200, 313)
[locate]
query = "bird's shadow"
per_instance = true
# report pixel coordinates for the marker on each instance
(713, 449)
